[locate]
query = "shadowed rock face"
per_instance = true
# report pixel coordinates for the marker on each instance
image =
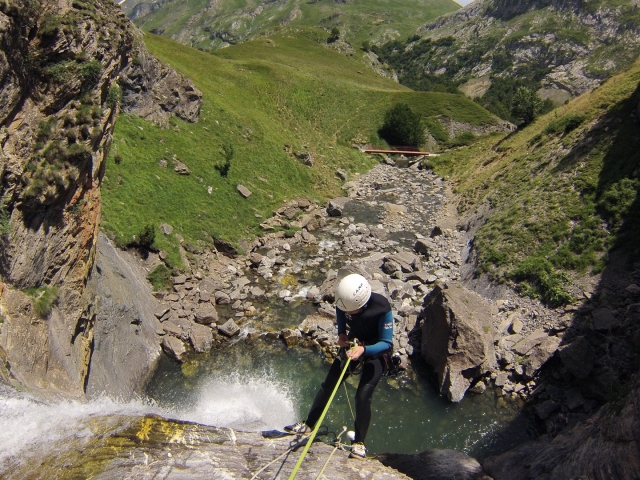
(605, 446)
(435, 465)
(60, 64)
(457, 338)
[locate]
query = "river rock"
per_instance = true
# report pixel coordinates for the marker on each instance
(604, 319)
(222, 298)
(174, 347)
(578, 357)
(291, 337)
(425, 247)
(539, 355)
(526, 344)
(336, 206)
(201, 337)
(205, 313)
(457, 338)
(229, 328)
(435, 464)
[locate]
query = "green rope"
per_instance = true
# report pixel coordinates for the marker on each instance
(338, 445)
(346, 394)
(319, 422)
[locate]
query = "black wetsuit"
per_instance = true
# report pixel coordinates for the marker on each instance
(373, 326)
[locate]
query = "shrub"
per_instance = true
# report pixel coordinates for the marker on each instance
(227, 153)
(527, 105)
(335, 35)
(402, 126)
(117, 158)
(90, 72)
(50, 25)
(160, 277)
(146, 237)
(464, 139)
(114, 96)
(44, 299)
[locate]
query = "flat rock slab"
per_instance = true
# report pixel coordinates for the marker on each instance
(151, 447)
(530, 341)
(244, 191)
(229, 328)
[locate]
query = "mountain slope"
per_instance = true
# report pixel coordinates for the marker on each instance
(560, 48)
(208, 24)
(556, 196)
(269, 99)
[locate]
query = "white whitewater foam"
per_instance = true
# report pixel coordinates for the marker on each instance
(243, 402)
(30, 428)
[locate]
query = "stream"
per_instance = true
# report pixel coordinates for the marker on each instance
(257, 384)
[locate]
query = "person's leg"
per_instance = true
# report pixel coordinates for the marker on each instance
(372, 371)
(322, 397)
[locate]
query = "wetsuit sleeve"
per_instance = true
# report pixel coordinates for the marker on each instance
(385, 331)
(342, 321)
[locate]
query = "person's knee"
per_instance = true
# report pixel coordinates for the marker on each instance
(364, 394)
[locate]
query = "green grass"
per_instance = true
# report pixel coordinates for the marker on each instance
(562, 191)
(263, 98)
(44, 298)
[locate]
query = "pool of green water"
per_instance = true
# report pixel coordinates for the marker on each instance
(258, 385)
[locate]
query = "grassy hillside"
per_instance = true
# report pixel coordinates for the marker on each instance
(233, 21)
(267, 99)
(559, 193)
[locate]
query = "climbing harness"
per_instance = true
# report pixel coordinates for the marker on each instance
(319, 422)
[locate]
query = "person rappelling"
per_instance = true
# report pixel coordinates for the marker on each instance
(367, 317)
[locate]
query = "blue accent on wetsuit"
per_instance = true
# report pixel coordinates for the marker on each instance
(376, 311)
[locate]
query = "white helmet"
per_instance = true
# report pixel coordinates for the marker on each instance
(352, 293)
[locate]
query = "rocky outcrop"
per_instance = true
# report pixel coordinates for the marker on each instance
(435, 465)
(606, 446)
(153, 447)
(155, 91)
(125, 340)
(457, 338)
(60, 68)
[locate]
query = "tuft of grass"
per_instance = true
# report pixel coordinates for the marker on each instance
(160, 277)
(44, 298)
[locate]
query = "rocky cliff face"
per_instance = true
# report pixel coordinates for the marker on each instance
(563, 47)
(65, 68)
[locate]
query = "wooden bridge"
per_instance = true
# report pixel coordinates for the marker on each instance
(399, 151)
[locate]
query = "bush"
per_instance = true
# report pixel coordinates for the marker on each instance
(402, 126)
(227, 153)
(114, 96)
(335, 35)
(160, 277)
(44, 299)
(146, 237)
(90, 72)
(527, 105)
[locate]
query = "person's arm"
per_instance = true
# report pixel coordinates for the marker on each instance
(385, 332)
(342, 328)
